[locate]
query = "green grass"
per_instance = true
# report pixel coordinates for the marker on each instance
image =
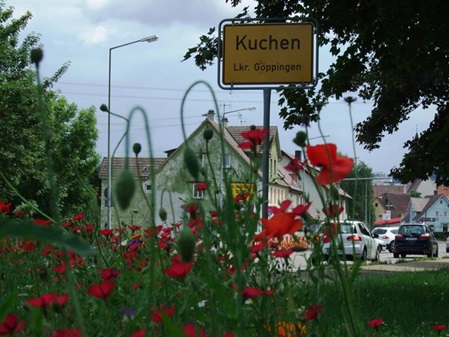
(408, 302)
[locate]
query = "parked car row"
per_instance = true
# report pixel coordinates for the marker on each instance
(386, 235)
(354, 240)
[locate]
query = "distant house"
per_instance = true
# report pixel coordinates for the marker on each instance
(435, 212)
(390, 208)
(308, 191)
(221, 160)
(141, 169)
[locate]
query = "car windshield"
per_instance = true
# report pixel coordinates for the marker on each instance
(412, 230)
(379, 231)
(347, 228)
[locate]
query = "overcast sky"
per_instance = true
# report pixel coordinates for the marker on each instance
(152, 76)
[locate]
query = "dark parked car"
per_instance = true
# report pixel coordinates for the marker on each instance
(415, 239)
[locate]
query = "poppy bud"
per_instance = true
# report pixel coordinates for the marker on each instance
(137, 148)
(192, 163)
(162, 214)
(36, 55)
(300, 139)
(208, 134)
(124, 188)
(186, 245)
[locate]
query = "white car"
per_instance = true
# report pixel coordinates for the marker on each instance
(358, 242)
(386, 234)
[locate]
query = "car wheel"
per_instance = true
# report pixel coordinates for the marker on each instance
(377, 257)
(364, 255)
(391, 247)
(396, 255)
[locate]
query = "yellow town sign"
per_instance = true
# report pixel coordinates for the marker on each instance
(269, 53)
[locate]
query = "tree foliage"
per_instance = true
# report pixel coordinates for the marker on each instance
(358, 184)
(22, 147)
(391, 53)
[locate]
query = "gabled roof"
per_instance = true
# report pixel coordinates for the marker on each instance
(398, 201)
(118, 164)
(308, 171)
(236, 133)
(431, 201)
(379, 190)
(418, 204)
(208, 123)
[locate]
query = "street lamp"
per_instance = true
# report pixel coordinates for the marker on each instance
(223, 118)
(151, 38)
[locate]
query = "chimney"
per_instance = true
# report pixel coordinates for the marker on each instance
(225, 122)
(211, 115)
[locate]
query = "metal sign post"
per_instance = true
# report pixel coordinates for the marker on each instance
(264, 54)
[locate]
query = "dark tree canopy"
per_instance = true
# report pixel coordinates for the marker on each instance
(392, 53)
(22, 149)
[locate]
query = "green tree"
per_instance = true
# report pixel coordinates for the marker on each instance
(22, 149)
(358, 184)
(393, 53)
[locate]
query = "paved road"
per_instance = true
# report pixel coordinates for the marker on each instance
(411, 262)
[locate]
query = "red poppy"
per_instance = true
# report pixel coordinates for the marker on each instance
(42, 222)
(139, 333)
(190, 330)
(333, 210)
(78, 217)
(312, 313)
(241, 197)
(11, 325)
(134, 228)
(301, 210)
(101, 290)
(109, 274)
(438, 327)
(66, 224)
(158, 314)
(330, 231)
(19, 214)
(4, 208)
(295, 165)
(178, 269)
(282, 207)
(60, 268)
(70, 332)
(28, 246)
(201, 186)
(376, 323)
(43, 301)
(333, 167)
(283, 253)
(280, 224)
(258, 247)
(254, 137)
(251, 292)
(89, 228)
(106, 232)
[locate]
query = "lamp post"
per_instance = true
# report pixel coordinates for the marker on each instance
(148, 39)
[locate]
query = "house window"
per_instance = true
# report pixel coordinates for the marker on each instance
(437, 213)
(198, 190)
(146, 187)
(227, 161)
